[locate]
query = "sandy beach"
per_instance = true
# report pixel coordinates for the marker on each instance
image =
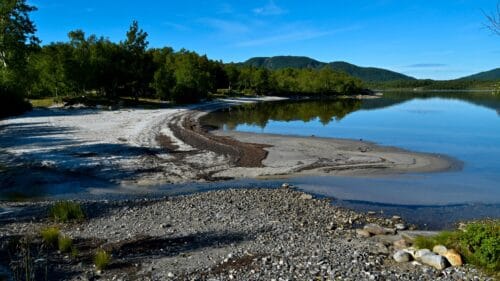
(143, 147)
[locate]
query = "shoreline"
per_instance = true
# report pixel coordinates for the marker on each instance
(129, 148)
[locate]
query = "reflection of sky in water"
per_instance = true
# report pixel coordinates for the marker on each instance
(468, 132)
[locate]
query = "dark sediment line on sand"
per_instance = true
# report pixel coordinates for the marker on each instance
(189, 130)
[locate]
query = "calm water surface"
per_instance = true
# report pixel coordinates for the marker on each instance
(465, 126)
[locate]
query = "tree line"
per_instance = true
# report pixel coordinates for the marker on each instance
(428, 84)
(95, 65)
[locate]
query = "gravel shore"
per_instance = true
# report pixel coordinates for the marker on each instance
(257, 234)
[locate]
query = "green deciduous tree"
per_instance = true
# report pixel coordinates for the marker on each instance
(17, 39)
(17, 34)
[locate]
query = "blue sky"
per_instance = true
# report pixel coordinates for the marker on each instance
(426, 39)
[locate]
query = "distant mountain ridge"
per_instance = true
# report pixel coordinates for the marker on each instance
(489, 75)
(368, 74)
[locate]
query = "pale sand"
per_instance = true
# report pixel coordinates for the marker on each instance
(295, 155)
(122, 146)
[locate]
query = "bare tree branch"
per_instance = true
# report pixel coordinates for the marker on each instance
(494, 20)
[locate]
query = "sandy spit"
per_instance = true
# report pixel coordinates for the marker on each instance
(134, 147)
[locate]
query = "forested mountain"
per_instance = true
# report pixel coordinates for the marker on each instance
(493, 74)
(280, 62)
(371, 74)
(368, 74)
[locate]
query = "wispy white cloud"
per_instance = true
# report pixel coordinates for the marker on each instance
(225, 26)
(426, 65)
(300, 35)
(177, 26)
(270, 9)
(290, 37)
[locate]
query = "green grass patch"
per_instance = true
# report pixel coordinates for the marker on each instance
(65, 211)
(102, 259)
(478, 243)
(45, 102)
(449, 239)
(65, 244)
(50, 236)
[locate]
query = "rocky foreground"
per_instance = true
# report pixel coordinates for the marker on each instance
(257, 234)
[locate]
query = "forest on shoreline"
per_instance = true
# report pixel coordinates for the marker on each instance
(94, 65)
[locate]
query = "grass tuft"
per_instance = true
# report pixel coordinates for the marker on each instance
(50, 236)
(65, 211)
(102, 259)
(65, 244)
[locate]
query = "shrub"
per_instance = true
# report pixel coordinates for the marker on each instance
(65, 244)
(479, 243)
(50, 236)
(65, 211)
(101, 259)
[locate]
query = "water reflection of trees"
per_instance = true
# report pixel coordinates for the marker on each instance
(327, 110)
(260, 114)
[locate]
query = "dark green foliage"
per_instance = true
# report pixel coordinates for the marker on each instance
(367, 74)
(258, 114)
(422, 85)
(493, 74)
(292, 81)
(12, 102)
(94, 66)
(376, 77)
(65, 211)
(279, 62)
(17, 40)
(479, 243)
(16, 35)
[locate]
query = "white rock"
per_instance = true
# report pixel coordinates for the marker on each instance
(305, 196)
(422, 252)
(436, 261)
(400, 226)
(401, 256)
(362, 233)
(374, 229)
(439, 249)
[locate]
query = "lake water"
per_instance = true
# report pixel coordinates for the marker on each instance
(465, 126)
